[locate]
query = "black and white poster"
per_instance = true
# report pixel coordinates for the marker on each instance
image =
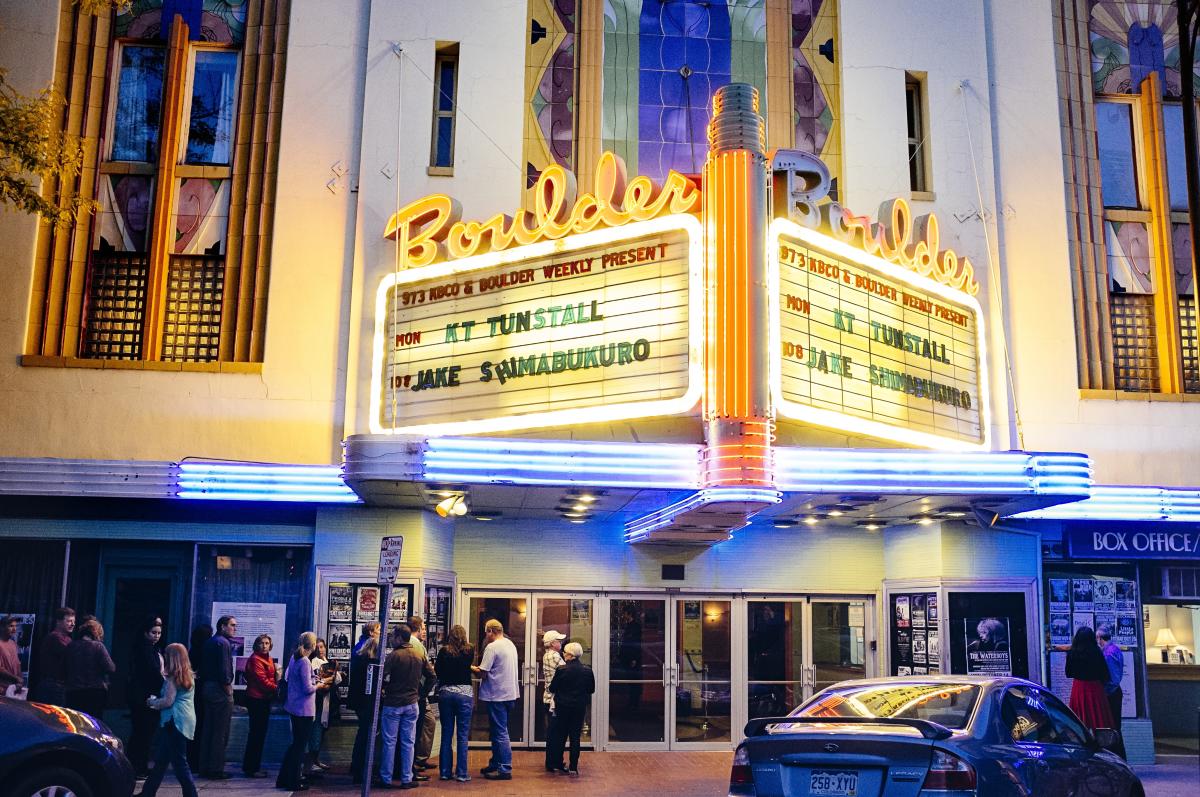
(903, 612)
(1127, 600)
(1060, 595)
(904, 671)
(903, 645)
(918, 646)
(1082, 620)
(340, 640)
(918, 611)
(988, 645)
(1104, 595)
(341, 603)
(1109, 620)
(1082, 596)
(935, 647)
(932, 608)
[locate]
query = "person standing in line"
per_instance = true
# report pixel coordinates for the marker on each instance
(453, 669)
(52, 659)
(572, 687)
(89, 668)
(301, 705)
(216, 693)
(362, 700)
(262, 684)
(551, 661)
(145, 680)
(325, 694)
(10, 660)
(176, 705)
(1085, 664)
(498, 691)
(200, 637)
(427, 716)
(1112, 684)
(402, 675)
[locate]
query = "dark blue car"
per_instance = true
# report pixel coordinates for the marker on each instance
(930, 735)
(48, 751)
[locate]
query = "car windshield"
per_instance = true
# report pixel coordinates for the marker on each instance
(946, 704)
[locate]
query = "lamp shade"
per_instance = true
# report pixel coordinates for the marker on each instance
(1165, 639)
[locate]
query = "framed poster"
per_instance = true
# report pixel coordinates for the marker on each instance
(988, 647)
(988, 633)
(366, 603)
(1082, 595)
(254, 619)
(25, 623)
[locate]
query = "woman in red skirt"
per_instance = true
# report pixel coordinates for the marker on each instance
(1085, 664)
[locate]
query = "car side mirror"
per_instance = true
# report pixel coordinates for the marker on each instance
(1108, 739)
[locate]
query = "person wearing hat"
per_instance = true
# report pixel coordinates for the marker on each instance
(551, 661)
(572, 687)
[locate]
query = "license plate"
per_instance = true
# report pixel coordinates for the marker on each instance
(833, 783)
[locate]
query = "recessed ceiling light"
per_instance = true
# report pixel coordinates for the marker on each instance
(483, 517)
(783, 524)
(579, 508)
(572, 514)
(836, 513)
(587, 498)
(579, 521)
(811, 521)
(925, 521)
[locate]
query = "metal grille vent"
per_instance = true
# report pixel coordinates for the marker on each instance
(192, 327)
(1135, 362)
(1188, 344)
(116, 306)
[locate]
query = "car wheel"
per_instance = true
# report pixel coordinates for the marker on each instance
(53, 782)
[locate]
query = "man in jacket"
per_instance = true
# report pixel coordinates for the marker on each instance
(402, 674)
(52, 658)
(216, 690)
(427, 717)
(1115, 663)
(572, 688)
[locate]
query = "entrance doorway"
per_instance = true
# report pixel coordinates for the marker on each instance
(526, 617)
(682, 671)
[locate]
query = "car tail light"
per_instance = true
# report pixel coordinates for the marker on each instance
(741, 777)
(948, 772)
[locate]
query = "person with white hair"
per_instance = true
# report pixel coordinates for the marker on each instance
(572, 687)
(551, 660)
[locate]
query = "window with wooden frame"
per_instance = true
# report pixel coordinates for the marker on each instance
(445, 108)
(1147, 244)
(917, 128)
(173, 267)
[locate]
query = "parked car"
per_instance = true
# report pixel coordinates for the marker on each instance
(939, 734)
(48, 750)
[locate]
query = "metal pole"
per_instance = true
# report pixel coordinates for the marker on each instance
(369, 768)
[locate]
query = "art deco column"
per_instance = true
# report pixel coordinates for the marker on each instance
(737, 413)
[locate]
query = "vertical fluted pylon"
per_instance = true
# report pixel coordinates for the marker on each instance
(739, 426)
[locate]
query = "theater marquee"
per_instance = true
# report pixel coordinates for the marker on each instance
(597, 326)
(865, 346)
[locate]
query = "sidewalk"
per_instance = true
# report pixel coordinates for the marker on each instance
(626, 774)
(603, 775)
(1171, 776)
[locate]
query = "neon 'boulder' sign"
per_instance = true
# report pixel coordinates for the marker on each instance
(430, 229)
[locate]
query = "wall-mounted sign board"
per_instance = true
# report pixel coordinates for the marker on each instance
(599, 326)
(862, 345)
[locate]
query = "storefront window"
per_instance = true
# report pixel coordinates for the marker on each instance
(267, 581)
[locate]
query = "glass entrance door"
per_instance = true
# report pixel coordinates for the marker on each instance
(526, 618)
(703, 673)
(796, 647)
(637, 671)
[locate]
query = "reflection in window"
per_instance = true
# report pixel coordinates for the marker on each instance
(443, 110)
(214, 84)
(1114, 135)
(139, 104)
(1176, 171)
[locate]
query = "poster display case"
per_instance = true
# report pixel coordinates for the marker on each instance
(349, 606)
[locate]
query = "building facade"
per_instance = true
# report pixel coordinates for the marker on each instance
(218, 391)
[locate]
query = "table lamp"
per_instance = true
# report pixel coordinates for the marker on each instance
(1165, 640)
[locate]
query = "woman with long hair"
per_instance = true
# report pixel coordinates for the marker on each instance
(366, 653)
(301, 705)
(177, 717)
(1086, 665)
(455, 701)
(261, 686)
(145, 680)
(89, 669)
(319, 659)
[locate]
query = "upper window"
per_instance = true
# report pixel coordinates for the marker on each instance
(1118, 170)
(139, 104)
(918, 134)
(211, 111)
(445, 104)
